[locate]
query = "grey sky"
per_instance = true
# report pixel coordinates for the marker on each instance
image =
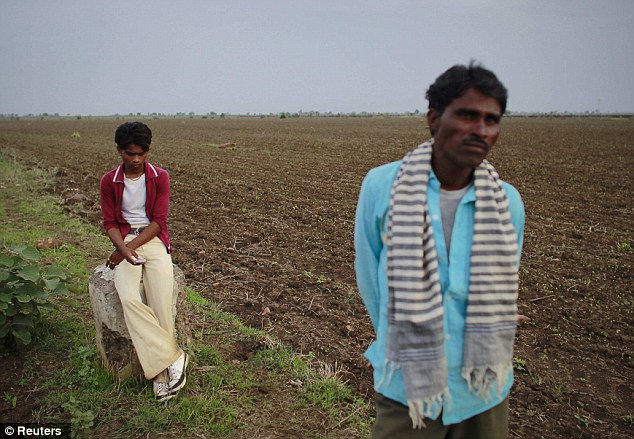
(239, 56)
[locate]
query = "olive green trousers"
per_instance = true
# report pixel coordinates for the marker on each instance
(393, 422)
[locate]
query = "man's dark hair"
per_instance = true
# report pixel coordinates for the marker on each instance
(133, 133)
(458, 79)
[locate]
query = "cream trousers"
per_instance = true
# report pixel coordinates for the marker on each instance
(150, 324)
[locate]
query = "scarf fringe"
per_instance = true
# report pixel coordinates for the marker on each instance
(419, 409)
(480, 379)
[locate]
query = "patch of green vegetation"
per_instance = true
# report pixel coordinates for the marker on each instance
(319, 385)
(211, 312)
(327, 393)
(195, 299)
(11, 399)
(323, 279)
(81, 420)
(275, 358)
(519, 364)
(25, 290)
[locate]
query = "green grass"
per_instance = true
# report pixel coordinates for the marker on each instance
(223, 395)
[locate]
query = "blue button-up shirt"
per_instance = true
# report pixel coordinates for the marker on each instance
(454, 269)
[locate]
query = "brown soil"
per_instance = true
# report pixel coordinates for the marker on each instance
(268, 223)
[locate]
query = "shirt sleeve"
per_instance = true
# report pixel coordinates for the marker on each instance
(106, 192)
(162, 201)
(368, 245)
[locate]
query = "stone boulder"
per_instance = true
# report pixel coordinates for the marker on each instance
(111, 334)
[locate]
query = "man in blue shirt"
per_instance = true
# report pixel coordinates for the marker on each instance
(438, 238)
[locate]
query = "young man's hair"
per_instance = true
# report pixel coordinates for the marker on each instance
(133, 133)
(458, 79)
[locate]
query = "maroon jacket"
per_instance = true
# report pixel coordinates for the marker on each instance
(157, 187)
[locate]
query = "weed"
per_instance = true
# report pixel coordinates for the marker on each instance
(11, 399)
(81, 420)
(583, 419)
(519, 364)
(322, 279)
(559, 388)
(85, 362)
(351, 296)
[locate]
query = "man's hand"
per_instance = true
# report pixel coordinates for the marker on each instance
(118, 256)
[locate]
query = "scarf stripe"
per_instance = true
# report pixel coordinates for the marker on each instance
(415, 340)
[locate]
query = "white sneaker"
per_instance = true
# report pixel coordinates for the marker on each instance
(177, 373)
(162, 391)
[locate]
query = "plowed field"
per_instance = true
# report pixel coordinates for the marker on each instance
(267, 225)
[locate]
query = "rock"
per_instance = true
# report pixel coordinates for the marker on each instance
(111, 334)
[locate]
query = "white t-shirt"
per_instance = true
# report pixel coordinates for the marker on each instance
(133, 203)
(449, 201)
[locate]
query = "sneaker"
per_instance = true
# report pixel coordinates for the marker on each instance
(162, 391)
(177, 373)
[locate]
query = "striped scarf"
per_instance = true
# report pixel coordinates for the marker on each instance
(415, 334)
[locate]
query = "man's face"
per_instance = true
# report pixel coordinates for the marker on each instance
(133, 158)
(465, 132)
